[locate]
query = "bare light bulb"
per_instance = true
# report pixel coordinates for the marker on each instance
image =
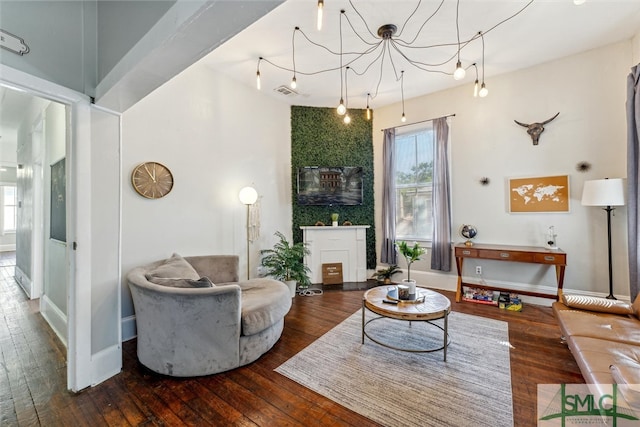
(368, 113)
(475, 89)
(258, 85)
(404, 118)
(459, 73)
(320, 9)
(294, 83)
(483, 91)
(347, 119)
(341, 108)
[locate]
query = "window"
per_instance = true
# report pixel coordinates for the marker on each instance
(414, 173)
(9, 211)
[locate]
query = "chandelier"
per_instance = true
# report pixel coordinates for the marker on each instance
(390, 50)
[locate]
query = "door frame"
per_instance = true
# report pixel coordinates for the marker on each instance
(78, 206)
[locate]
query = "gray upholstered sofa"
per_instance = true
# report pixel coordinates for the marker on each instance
(186, 327)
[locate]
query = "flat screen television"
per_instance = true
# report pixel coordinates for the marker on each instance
(330, 186)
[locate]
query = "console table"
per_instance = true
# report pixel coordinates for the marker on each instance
(526, 254)
(346, 244)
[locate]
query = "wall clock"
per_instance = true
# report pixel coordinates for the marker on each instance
(152, 180)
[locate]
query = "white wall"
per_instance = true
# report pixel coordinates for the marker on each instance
(636, 48)
(216, 136)
(588, 90)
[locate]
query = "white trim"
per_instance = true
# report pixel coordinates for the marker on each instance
(129, 330)
(55, 317)
(10, 247)
(24, 281)
(79, 231)
(105, 364)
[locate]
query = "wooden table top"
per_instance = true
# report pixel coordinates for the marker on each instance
(434, 306)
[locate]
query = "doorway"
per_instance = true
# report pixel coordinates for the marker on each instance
(81, 276)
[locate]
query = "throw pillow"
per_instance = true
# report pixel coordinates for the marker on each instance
(175, 267)
(598, 304)
(203, 282)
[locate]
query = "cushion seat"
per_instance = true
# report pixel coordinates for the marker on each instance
(185, 329)
(589, 324)
(263, 304)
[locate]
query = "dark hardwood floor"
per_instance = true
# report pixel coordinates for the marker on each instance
(33, 373)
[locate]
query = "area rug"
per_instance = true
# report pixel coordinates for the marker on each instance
(396, 388)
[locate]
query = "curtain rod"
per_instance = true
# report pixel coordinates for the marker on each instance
(421, 121)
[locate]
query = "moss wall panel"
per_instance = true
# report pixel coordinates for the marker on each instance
(320, 138)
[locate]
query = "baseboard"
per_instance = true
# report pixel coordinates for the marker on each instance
(8, 248)
(55, 318)
(24, 281)
(129, 330)
(105, 364)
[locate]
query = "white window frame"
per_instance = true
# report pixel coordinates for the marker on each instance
(4, 231)
(414, 130)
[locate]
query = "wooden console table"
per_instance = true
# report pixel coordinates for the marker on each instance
(527, 254)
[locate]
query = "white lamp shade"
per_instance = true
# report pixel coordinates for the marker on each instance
(603, 192)
(248, 195)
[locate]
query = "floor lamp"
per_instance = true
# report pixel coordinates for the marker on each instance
(608, 193)
(248, 196)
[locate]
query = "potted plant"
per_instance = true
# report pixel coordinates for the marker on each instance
(384, 274)
(285, 262)
(411, 254)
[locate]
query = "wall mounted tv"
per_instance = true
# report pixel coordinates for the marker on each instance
(330, 186)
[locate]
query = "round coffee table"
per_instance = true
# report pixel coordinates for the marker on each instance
(434, 306)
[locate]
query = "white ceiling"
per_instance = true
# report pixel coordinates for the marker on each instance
(544, 31)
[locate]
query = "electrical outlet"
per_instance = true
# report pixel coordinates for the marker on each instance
(478, 269)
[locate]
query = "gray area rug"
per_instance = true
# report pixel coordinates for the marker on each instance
(395, 388)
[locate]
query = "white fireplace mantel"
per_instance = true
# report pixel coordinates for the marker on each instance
(345, 244)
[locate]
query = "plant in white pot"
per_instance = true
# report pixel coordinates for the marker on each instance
(411, 254)
(285, 262)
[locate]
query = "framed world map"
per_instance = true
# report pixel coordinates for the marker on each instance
(539, 194)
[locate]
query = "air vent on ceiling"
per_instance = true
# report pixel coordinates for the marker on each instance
(286, 91)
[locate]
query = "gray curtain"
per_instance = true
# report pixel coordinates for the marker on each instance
(633, 175)
(441, 199)
(388, 253)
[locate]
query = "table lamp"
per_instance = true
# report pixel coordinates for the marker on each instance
(608, 193)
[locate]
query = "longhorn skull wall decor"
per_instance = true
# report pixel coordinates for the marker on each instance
(535, 129)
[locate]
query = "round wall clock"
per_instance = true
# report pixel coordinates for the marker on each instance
(152, 180)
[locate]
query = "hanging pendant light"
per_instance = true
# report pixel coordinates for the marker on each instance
(403, 118)
(459, 73)
(483, 89)
(476, 84)
(294, 82)
(383, 50)
(320, 9)
(258, 84)
(368, 109)
(347, 119)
